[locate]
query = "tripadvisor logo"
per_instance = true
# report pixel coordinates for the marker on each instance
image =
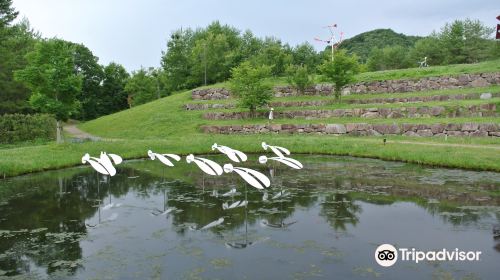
(387, 255)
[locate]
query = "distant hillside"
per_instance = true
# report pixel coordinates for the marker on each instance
(362, 44)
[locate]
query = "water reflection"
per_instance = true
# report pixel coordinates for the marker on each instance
(58, 222)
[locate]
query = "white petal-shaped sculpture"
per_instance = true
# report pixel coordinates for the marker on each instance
(103, 164)
(252, 177)
(164, 158)
(206, 165)
(293, 163)
(232, 154)
(116, 158)
(279, 151)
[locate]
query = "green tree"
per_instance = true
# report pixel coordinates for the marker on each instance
(7, 13)
(92, 73)
(16, 41)
(275, 55)
(248, 83)
(141, 87)
(298, 76)
(429, 47)
(250, 46)
(305, 54)
(465, 41)
(340, 71)
(375, 60)
(51, 75)
(210, 59)
(392, 57)
(176, 59)
(113, 96)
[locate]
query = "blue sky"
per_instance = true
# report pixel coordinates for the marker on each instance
(134, 33)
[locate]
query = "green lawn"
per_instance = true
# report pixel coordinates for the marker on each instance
(22, 160)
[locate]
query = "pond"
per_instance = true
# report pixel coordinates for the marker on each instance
(325, 221)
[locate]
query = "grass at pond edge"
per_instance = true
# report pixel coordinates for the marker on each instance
(24, 160)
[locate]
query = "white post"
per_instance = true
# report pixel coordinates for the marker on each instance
(58, 133)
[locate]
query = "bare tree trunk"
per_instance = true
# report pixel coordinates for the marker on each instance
(58, 132)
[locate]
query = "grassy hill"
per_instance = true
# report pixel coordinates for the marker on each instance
(166, 126)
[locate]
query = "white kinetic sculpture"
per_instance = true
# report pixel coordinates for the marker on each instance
(279, 151)
(252, 177)
(206, 165)
(103, 164)
(231, 153)
(164, 158)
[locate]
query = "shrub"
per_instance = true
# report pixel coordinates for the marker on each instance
(340, 71)
(248, 83)
(298, 77)
(18, 127)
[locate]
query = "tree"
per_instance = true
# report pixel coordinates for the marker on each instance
(429, 47)
(340, 71)
(305, 54)
(275, 55)
(15, 42)
(375, 60)
(51, 75)
(175, 61)
(210, 58)
(247, 82)
(7, 12)
(465, 41)
(392, 57)
(298, 76)
(141, 87)
(113, 96)
(92, 73)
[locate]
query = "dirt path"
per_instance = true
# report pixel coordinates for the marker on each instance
(75, 132)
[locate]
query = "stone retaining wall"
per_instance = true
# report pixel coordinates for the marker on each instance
(364, 129)
(482, 110)
(210, 94)
(414, 99)
(424, 84)
(388, 86)
(204, 106)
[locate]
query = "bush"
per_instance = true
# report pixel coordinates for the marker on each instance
(18, 127)
(249, 85)
(340, 71)
(298, 77)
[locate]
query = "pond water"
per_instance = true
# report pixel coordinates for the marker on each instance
(324, 221)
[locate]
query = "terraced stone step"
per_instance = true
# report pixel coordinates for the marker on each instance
(482, 110)
(364, 129)
(204, 106)
(430, 98)
(388, 86)
(412, 99)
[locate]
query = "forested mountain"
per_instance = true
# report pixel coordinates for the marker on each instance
(363, 43)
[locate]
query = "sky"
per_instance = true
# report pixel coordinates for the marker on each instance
(134, 33)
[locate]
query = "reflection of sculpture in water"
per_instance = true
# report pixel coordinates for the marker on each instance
(110, 205)
(207, 166)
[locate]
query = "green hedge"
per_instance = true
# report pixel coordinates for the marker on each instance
(19, 128)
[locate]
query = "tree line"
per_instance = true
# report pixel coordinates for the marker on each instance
(74, 84)
(461, 41)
